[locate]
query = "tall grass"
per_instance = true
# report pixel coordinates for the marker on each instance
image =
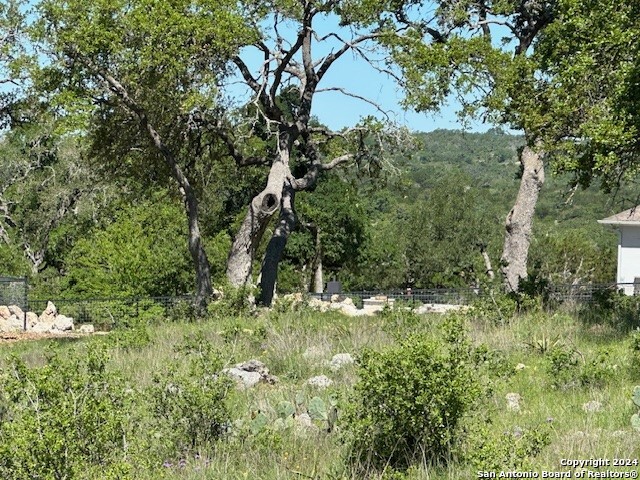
(298, 345)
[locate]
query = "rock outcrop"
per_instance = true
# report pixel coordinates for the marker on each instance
(250, 373)
(14, 319)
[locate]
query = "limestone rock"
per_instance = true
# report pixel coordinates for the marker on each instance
(49, 314)
(86, 328)
(16, 310)
(32, 319)
(321, 381)
(248, 379)
(440, 308)
(62, 323)
(4, 312)
(11, 324)
(42, 327)
(339, 360)
(305, 420)
(250, 373)
(513, 401)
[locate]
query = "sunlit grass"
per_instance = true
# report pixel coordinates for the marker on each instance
(298, 345)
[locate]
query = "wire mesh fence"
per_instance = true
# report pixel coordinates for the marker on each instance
(13, 291)
(457, 296)
(107, 313)
(560, 293)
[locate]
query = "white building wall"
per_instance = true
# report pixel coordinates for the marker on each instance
(629, 256)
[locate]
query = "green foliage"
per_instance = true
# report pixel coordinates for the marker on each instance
(409, 400)
(575, 255)
(398, 321)
(495, 307)
(68, 419)
(563, 368)
(511, 450)
(235, 302)
(138, 254)
(188, 404)
(568, 368)
(130, 337)
(337, 212)
(545, 343)
(615, 308)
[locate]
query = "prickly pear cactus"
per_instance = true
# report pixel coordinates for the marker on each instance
(317, 409)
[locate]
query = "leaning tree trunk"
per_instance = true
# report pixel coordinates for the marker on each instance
(276, 246)
(519, 222)
(261, 209)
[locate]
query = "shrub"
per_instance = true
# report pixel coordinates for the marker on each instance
(189, 405)
(64, 419)
(235, 302)
(488, 450)
(409, 400)
(567, 370)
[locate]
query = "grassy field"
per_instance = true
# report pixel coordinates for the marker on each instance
(574, 374)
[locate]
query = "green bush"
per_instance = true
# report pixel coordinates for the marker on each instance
(64, 420)
(488, 450)
(568, 368)
(409, 400)
(188, 405)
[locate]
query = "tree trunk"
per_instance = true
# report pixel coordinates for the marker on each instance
(519, 222)
(261, 209)
(204, 290)
(196, 249)
(277, 244)
(487, 263)
(318, 277)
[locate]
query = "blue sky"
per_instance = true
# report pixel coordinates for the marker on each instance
(355, 75)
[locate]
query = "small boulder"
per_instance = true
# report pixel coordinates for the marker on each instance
(250, 373)
(32, 319)
(11, 324)
(4, 312)
(513, 401)
(16, 310)
(321, 381)
(16, 322)
(42, 327)
(246, 379)
(62, 323)
(49, 314)
(305, 420)
(339, 360)
(86, 328)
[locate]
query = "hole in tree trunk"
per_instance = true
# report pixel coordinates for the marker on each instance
(269, 203)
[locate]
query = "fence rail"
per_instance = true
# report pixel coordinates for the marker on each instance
(111, 312)
(576, 293)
